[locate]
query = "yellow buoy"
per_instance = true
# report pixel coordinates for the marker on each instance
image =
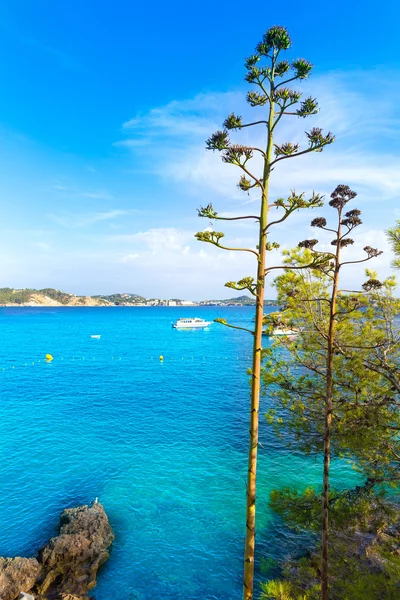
(161, 357)
(49, 357)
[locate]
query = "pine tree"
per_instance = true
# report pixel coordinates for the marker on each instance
(338, 384)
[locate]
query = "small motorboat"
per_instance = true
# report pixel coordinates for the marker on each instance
(282, 331)
(95, 337)
(190, 323)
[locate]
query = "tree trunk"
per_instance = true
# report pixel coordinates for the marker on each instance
(328, 424)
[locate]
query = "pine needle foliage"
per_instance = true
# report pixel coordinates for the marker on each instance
(334, 390)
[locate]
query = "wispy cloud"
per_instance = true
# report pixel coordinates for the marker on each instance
(42, 246)
(187, 118)
(366, 156)
(85, 220)
(129, 257)
(74, 193)
(360, 156)
(156, 240)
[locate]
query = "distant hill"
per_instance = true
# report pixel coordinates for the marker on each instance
(241, 301)
(121, 299)
(45, 297)
(52, 297)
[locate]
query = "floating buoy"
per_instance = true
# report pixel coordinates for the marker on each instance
(49, 357)
(161, 358)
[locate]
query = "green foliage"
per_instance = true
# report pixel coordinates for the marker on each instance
(119, 299)
(277, 590)
(247, 283)
(213, 237)
(11, 296)
(57, 295)
(317, 140)
(394, 239)
(308, 107)
(362, 508)
(208, 212)
(233, 122)
(222, 321)
(364, 566)
(364, 521)
(218, 141)
(275, 39)
(244, 183)
(302, 68)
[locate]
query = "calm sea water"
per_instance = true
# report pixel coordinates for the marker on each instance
(162, 444)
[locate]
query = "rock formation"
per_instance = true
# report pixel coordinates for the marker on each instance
(66, 567)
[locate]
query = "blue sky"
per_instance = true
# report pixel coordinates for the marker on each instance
(104, 110)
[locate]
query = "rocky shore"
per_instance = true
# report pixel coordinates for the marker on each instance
(66, 568)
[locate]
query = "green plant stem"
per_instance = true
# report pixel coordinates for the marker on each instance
(248, 579)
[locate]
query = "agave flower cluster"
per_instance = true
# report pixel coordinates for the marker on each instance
(339, 198)
(270, 77)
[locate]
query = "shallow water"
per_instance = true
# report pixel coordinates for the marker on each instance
(162, 444)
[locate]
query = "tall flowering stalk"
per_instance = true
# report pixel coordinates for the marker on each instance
(346, 223)
(270, 77)
(328, 320)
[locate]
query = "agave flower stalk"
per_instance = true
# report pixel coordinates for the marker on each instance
(303, 299)
(275, 100)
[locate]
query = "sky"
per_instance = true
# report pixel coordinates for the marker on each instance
(104, 112)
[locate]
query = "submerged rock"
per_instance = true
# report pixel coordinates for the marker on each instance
(66, 568)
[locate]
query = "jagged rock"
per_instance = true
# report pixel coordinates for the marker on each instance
(16, 575)
(66, 568)
(70, 597)
(70, 561)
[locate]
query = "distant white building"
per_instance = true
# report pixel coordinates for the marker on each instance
(187, 303)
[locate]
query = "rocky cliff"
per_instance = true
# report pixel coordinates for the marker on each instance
(66, 568)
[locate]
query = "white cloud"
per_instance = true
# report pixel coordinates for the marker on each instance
(84, 220)
(365, 155)
(133, 143)
(359, 157)
(157, 240)
(162, 167)
(102, 195)
(129, 257)
(42, 246)
(72, 192)
(191, 117)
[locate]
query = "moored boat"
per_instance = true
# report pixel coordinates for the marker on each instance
(195, 323)
(281, 331)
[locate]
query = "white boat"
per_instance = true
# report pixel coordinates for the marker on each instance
(95, 337)
(191, 323)
(282, 331)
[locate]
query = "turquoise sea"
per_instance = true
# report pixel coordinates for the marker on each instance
(163, 445)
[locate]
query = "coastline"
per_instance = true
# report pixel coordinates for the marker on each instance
(125, 305)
